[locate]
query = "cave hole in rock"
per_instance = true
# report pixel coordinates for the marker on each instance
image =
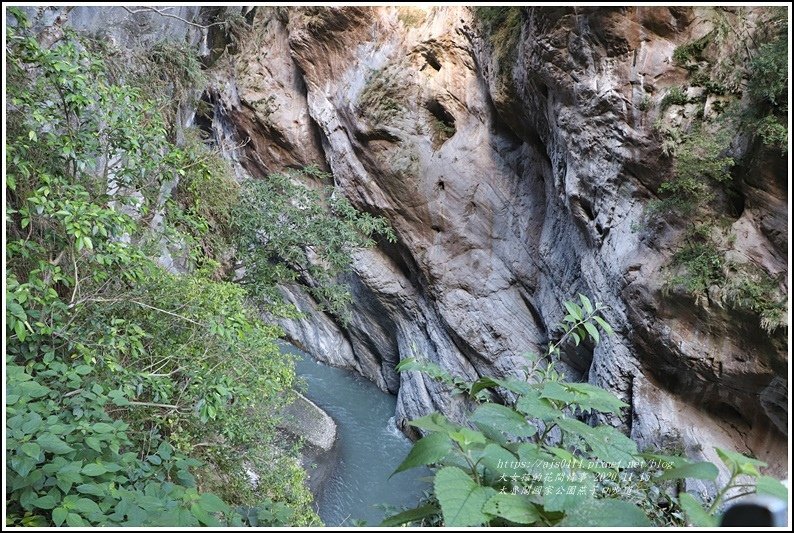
(736, 203)
(205, 112)
(443, 122)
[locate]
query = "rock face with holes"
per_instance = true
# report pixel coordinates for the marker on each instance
(515, 173)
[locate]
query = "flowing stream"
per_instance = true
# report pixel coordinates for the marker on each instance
(370, 447)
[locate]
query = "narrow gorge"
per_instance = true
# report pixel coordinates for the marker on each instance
(521, 157)
(516, 168)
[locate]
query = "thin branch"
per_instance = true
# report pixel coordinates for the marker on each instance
(76, 278)
(163, 405)
(136, 302)
(169, 15)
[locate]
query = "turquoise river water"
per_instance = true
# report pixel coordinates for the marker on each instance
(370, 447)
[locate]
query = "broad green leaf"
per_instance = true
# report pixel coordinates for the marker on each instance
(87, 507)
(502, 418)
(513, 508)
(568, 492)
(19, 329)
(203, 516)
(557, 391)
(46, 502)
(604, 325)
(411, 515)
(22, 464)
(53, 444)
(605, 513)
(427, 450)
(591, 329)
(409, 363)
(588, 397)
(586, 304)
(32, 389)
(59, 515)
(499, 462)
(460, 497)
(212, 503)
(482, 384)
(31, 449)
(532, 405)
(739, 463)
(74, 520)
(771, 487)
(94, 443)
(94, 469)
(118, 398)
(102, 427)
(695, 514)
(70, 473)
(91, 488)
(467, 438)
(83, 370)
(434, 422)
(574, 310)
(702, 470)
(165, 450)
(607, 443)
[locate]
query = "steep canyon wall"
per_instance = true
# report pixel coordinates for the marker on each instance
(515, 162)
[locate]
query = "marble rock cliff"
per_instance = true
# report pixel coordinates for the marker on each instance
(515, 166)
(514, 177)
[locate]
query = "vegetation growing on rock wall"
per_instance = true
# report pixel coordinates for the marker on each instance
(674, 96)
(699, 165)
(532, 461)
(502, 28)
(288, 231)
(733, 61)
(379, 97)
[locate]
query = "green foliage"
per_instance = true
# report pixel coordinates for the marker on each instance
(533, 462)
(751, 289)
(379, 97)
(291, 231)
(691, 51)
(769, 70)
(699, 164)
(699, 264)
(502, 27)
(167, 74)
(131, 389)
(719, 62)
(699, 261)
(675, 96)
(202, 204)
(441, 131)
(773, 132)
(768, 87)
